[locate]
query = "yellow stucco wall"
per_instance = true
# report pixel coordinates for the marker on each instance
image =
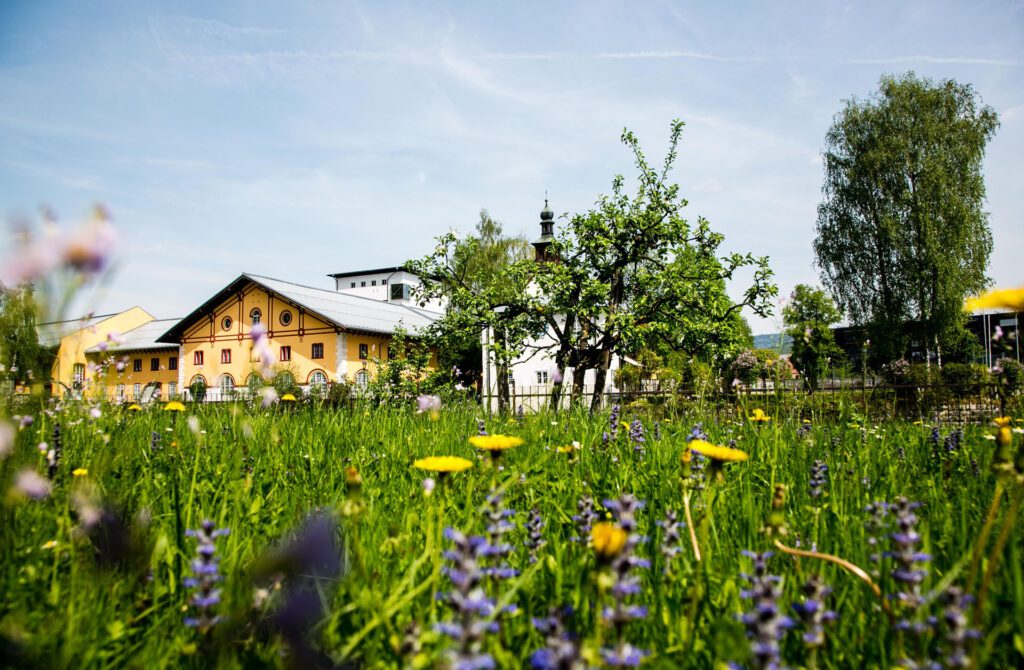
(107, 379)
(73, 346)
(211, 337)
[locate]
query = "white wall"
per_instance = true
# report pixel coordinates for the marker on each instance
(377, 289)
(524, 370)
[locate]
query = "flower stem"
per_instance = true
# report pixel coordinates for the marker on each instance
(997, 551)
(689, 526)
(841, 562)
(979, 545)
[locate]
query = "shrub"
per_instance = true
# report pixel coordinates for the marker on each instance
(1011, 375)
(746, 367)
(963, 379)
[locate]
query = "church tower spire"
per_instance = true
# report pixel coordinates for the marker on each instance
(547, 235)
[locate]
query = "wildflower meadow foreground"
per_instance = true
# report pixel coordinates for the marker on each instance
(303, 536)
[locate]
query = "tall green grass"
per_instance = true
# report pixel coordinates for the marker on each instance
(261, 472)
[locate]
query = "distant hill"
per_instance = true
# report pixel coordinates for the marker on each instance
(771, 341)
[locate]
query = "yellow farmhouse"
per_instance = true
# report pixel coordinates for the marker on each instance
(77, 347)
(317, 336)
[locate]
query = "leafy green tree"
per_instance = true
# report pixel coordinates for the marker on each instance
(808, 317)
(22, 358)
(483, 280)
(633, 273)
(901, 234)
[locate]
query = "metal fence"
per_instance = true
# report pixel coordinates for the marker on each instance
(874, 400)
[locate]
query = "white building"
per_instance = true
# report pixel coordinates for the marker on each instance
(532, 375)
(393, 285)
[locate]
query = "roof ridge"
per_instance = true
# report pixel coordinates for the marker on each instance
(339, 293)
(88, 317)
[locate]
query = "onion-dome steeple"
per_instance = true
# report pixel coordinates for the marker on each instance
(547, 235)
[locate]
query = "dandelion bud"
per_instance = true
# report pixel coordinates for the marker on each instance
(353, 480)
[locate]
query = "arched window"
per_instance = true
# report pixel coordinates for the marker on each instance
(362, 379)
(197, 387)
(317, 378)
(172, 389)
(227, 385)
(285, 379)
(255, 315)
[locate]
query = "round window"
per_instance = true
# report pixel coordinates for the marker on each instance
(286, 318)
(226, 323)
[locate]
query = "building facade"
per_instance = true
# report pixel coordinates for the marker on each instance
(80, 346)
(135, 367)
(317, 336)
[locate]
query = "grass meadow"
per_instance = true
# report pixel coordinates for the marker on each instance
(337, 553)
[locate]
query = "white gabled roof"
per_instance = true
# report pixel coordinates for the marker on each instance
(344, 310)
(50, 334)
(350, 311)
(141, 338)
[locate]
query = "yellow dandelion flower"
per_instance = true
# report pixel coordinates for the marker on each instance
(494, 443)
(443, 464)
(759, 416)
(80, 472)
(174, 406)
(717, 452)
(135, 407)
(288, 397)
(607, 539)
(1004, 432)
(1011, 299)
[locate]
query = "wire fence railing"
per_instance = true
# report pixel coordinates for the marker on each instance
(875, 400)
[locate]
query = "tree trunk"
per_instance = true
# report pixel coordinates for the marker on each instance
(502, 370)
(599, 380)
(579, 374)
(579, 371)
(561, 358)
(608, 340)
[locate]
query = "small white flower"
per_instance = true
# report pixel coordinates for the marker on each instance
(29, 484)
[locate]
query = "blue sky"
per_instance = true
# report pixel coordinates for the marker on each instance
(298, 139)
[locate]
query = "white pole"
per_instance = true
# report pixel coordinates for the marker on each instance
(487, 368)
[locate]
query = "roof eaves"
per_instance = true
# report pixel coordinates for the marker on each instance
(338, 275)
